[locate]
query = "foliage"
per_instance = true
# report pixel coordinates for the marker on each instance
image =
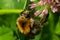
(9, 14)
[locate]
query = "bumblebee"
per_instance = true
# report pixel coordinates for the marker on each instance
(23, 22)
(27, 25)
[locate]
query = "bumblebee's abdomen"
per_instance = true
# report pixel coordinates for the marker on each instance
(23, 25)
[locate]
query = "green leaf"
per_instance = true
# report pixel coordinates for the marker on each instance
(6, 34)
(51, 21)
(55, 37)
(7, 4)
(57, 30)
(4, 30)
(37, 37)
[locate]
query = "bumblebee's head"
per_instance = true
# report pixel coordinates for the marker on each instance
(25, 13)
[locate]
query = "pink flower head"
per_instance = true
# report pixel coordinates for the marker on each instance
(32, 5)
(55, 10)
(37, 13)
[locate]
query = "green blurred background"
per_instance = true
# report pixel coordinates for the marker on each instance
(8, 29)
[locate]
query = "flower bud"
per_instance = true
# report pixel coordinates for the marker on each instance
(32, 6)
(55, 10)
(44, 13)
(37, 13)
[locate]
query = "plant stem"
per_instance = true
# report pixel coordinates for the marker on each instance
(10, 11)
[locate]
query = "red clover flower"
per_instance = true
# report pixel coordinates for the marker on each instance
(53, 4)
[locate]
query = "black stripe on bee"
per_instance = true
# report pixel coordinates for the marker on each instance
(25, 13)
